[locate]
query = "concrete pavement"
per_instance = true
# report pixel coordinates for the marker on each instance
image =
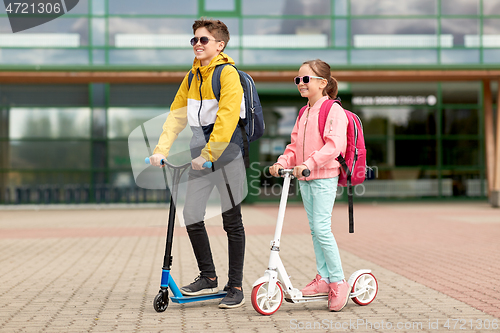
(98, 270)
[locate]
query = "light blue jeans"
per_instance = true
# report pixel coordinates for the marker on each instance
(318, 196)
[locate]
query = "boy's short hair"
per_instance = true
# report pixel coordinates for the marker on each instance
(216, 27)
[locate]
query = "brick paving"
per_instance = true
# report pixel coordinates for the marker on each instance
(98, 270)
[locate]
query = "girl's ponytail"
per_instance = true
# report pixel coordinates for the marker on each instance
(332, 88)
(322, 69)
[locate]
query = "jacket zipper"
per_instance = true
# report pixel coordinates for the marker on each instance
(304, 141)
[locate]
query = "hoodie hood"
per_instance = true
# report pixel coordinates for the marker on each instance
(220, 59)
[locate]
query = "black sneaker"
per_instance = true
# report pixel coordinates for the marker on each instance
(201, 286)
(233, 299)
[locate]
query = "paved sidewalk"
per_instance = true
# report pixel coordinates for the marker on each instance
(99, 270)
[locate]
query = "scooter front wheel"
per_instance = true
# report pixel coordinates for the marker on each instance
(160, 302)
(262, 303)
(365, 287)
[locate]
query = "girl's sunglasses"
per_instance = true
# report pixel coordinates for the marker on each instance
(203, 40)
(306, 79)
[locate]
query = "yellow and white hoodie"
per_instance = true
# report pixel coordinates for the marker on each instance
(213, 122)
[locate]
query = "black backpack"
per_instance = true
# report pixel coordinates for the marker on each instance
(252, 127)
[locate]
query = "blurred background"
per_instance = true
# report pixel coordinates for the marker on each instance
(421, 74)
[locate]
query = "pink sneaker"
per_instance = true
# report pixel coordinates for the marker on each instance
(316, 287)
(338, 296)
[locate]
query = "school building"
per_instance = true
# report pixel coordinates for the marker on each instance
(423, 76)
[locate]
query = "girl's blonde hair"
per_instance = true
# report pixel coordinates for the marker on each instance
(322, 69)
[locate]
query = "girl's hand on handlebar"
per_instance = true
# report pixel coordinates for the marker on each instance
(156, 160)
(297, 171)
(273, 170)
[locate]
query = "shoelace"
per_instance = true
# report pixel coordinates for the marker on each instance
(316, 280)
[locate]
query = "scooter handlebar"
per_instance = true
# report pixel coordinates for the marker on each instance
(207, 164)
(305, 172)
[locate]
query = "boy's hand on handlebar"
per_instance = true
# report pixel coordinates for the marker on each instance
(156, 160)
(273, 169)
(197, 163)
(297, 171)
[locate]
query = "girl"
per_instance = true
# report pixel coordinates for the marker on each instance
(308, 150)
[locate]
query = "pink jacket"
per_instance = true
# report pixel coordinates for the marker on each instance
(307, 146)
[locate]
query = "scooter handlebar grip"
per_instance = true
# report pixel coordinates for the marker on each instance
(149, 162)
(306, 172)
(207, 164)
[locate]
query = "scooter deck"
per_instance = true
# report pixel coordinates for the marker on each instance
(188, 299)
(306, 299)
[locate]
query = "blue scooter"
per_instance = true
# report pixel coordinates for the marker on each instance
(161, 300)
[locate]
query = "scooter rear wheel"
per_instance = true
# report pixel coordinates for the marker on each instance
(367, 283)
(260, 301)
(161, 300)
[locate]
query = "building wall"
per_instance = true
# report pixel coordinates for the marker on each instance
(69, 142)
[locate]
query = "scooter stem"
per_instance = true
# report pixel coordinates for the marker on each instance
(281, 212)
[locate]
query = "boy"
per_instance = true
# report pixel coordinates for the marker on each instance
(216, 138)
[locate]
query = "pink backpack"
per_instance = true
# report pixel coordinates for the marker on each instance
(353, 171)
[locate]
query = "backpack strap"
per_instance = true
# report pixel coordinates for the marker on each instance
(216, 87)
(190, 79)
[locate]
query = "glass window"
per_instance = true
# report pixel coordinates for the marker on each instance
(98, 57)
(415, 152)
(44, 57)
(459, 7)
(122, 121)
(286, 7)
(491, 56)
(393, 57)
(461, 152)
(461, 30)
(49, 155)
(393, 7)
(460, 122)
(461, 92)
(340, 7)
(460, 56)
(220, 5)
(491, 34)
(50, 123)
(401, 153)
(98, 7)
(82, 7)
(118, 157)
(397, 121)
(62, 32)
(38, 95)
(376, 152)
(292, 57)
(158, 32)
(394, 33)
(40, 179)
(98, 31)
(140, 95)
(124, 32)
(151, 57)
(153, 7)
(286, 33)
(341, 33)
(491, 7)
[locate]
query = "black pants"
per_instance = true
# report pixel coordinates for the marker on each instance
(200, 185)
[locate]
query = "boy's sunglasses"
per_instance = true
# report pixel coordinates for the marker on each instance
(306, 79)
(203, 40)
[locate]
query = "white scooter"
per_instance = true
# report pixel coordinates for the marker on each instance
(268, 291)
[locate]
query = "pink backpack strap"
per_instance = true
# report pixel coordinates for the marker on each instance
(323, 114)
(302, 110)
